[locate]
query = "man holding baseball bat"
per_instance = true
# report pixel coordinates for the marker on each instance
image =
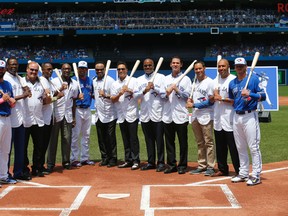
(105, 115)
(223, 121)
(202, 120)
(151, 115)
(122, 94)
(20, 92)
(246, 94)
(64, 118)
(6, 103)
(83, 117)
(175, 116)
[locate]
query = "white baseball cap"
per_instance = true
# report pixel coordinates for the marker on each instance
(2, 64)
(82, 64)
(240, 61)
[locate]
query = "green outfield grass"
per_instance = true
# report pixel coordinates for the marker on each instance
(273, 139)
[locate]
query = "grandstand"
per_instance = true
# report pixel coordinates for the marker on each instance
(69, 30)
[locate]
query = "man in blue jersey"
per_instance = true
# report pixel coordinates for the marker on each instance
(83, 119)
(245, 122)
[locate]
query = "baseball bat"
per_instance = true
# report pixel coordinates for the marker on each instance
(254, 62)
(219, 57)
(133, 71)
(77, 76)
(106, 72)
(193, 87)
(157, 68)
(185, 73)
(59, 75)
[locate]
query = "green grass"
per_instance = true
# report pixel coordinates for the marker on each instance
(283, 90)
(273, 140)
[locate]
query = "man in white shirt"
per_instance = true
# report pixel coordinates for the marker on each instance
(223, 121)
(175, 116)
(64, 119)
(128, 115)
(202, 120)
(105, 116)
(151, 115)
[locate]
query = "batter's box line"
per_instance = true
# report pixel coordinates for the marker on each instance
(145, 199)
(64, 211)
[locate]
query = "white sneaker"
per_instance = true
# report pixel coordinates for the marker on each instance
(135, 166)
(253, 181)
(239, 178)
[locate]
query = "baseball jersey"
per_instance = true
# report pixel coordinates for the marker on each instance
(246, 103)
(223, 111)
(18, 111)
(6, 88)
(47, 109)
(104, 107)
(33, 114)
(127, 105)
(63, 106)
(151, 106)
(203, 90)
(87, 90)
(174, 108)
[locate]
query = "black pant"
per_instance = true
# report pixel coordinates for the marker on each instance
(107, 140)
(225, 140)
(46, 138)
(36, 133)
(154, 138)
(129, 133)
(170, 131)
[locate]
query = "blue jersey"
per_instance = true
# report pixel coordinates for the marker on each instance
(246, 103)
(87, 89)
(6, 87)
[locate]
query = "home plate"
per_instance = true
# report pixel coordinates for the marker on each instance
(113, 196)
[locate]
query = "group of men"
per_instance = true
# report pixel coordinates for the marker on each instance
(41, 107)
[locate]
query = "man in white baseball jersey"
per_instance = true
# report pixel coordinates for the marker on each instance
(175, 116)
(105, 116)
(20, 92)
(83, 119)
(33, 119)
(202, 120)
(246, 126)
(64, 118)
(6, 102)
(151, 115)
(128, 115)
(223, 121)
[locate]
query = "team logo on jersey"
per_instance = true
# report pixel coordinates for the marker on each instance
(129, 97)
(155, 94)
(201, 99)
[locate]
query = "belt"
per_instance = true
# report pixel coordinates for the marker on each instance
(4, 115)
(82, 107)
(243, 112)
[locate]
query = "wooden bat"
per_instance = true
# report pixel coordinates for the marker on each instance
(254, 62)
(157, 68)
(185, 73)
(133, 71)
(193, 87)
(59, 75)
(219, 57)
(77, 76)
(106, 72)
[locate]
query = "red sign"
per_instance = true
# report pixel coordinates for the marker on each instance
(282, 8)
(7, 11)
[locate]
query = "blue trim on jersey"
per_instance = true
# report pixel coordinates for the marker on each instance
(87, 89)
(203, 104)
(246, 103)
(6, 87)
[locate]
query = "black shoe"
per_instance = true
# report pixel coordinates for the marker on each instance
(170, 170)
(103, 163)
(23, 177)
(160, 168)
(112, 165)
(67, 166)
(181, 170)
(148, 167)
(125, 165)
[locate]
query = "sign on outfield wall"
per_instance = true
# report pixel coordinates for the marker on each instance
(268, 76)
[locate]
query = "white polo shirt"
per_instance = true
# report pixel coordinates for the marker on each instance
(151, 107)
(223, 111)
(18, 111)
(33, 113)
(175, 105)
(201, 93)
(105, 108)
(63, 106)
(127, 106)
